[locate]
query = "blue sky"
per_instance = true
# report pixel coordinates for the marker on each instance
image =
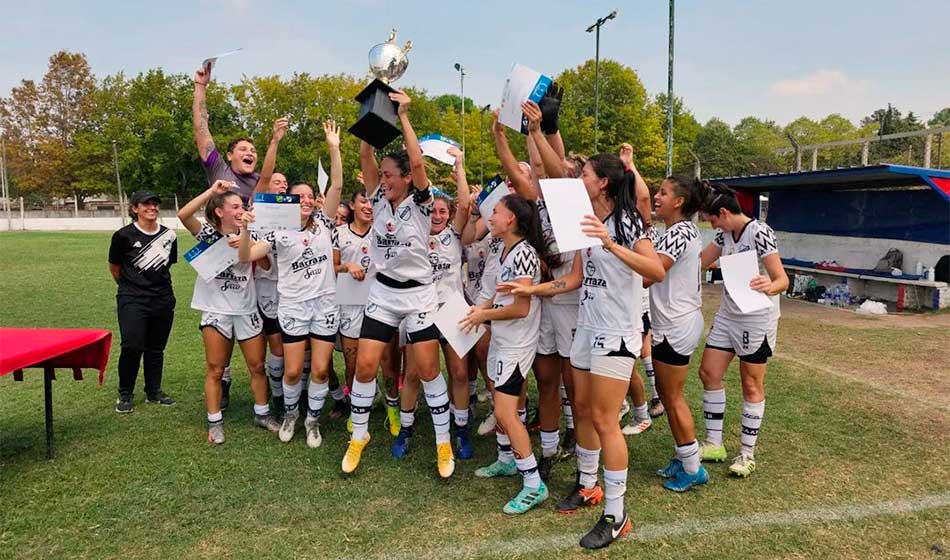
(766, 58)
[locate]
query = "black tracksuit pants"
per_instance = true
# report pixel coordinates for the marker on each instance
(144, 324)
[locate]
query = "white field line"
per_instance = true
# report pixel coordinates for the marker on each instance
(535, 546)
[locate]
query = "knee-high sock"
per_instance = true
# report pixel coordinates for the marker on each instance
(651, 376)
(291, 396)
(688, 455)
(615, 486)
(317, 396)
(566, 409)
(587, 462)
(275, 374)
(528, 467)
(361, 401)
(752, 414)
(550, 442)
(437, 397)
(504, 448)
(714, 409)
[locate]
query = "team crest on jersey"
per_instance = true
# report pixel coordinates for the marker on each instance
(506, 274)
(364, 249)
(404, 212)
(432, 244)
(371, 308)
(390, 226)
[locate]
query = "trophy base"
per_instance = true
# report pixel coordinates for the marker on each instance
(377, 120)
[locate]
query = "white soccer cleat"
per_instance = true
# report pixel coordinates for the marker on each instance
(488, 424)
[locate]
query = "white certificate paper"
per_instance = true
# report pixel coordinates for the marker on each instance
(209, 62)
(447, 319)
(276, 212)
(211, 259)
(568, 203)
(737, 271)
(350, 291)
(523, 84)
(437, 147)
(322, 178)
(494, 190)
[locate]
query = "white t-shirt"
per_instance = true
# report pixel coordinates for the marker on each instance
(401, 238)
(566, 259)
(611, 293)
(487, 289)
(679, 294)
(354, 247)
(521, 261)
(232, 292)
(445, 256)
(755, 236)
(476, 255)
(305, 260)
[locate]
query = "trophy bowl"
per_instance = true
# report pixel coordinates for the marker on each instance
(388, 62)
(377, 120)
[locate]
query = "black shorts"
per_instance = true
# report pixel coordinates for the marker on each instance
(646, 324)
(760, 356)
(271, 326)
(513, 385)
(292, 338)
(377, 330)
(663, 352)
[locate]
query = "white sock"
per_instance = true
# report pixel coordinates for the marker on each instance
(714, 409)
(261, 409)
(651, 376)
(751, 422)
(226, 376)
(528, 467)
(504, 448)
(523, 415)
(587, 462)
(566, 409)
(615, 486)
(275, 374)
(549, 442)
(688, 455)
(317, 397)
(215, 417)
(407, 418)
(292, 395)
(361, 401)
(437, 397)
(460, 417)
(642, 413)
(336, 393)
(392, 402)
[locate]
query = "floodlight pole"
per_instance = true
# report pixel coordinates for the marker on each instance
(595, 28)
(669, 102)
(461, 70)
(118, 181)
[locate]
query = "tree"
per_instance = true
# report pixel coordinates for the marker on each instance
(685, 130)
(718, 150)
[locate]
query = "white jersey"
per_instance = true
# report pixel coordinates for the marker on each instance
(521, 261)
(354, 247)
(305, 261)
(265, 281)
(679, 295)
(755, 236)
(566, 259)
(611, 293)
(232, 292)
(492, 262)
(401, 238)
(476, 255)
(445, 256)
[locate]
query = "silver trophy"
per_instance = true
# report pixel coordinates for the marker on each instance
(377, 118)
(388, 61)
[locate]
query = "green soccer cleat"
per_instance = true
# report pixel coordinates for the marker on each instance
(497, 469)
(742, 466)
(526, 499)
(714, 453)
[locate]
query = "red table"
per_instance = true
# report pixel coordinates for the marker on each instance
(50, 349)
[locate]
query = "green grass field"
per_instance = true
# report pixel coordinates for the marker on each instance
(846, 470)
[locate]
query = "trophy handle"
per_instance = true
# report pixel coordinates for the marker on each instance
(407, 47)
(392, 36)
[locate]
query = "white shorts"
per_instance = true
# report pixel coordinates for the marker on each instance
(742, 338)
(391, 306)
(610, 355)
(508, 367)
(318, 316)
(267, 297)
(683, 335)
(351, 320)
(233, 327)
(558, 323)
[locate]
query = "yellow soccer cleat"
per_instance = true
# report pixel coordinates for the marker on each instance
(353, 454)
(392, 419)
(446, 459)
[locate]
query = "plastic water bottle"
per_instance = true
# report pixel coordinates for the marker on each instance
(920, 269)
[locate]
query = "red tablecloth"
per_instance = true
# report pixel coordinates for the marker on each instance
(58, 348)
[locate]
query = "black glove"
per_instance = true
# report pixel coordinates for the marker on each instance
(421, 195)
(550, 105)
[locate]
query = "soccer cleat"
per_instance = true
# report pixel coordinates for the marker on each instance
(656, 408)
(354, 452)
(216, 432)
(580, 497)
(123, 404)
(624, 410)
(341, 408)
(635, 428)
(392, 420)
(742, 466)
(267, 422)
(569, 444)
(225, 393)
(671, 469)
(488, 425)
(463, 443)
(497, 469)
(526, 499)
(160, 398)
(312, 426)
(349, 425)
(445, 458)
(683, 481)
(712, 452)
(289, 425)
(606, 531)
(401, 443)
(547, 463)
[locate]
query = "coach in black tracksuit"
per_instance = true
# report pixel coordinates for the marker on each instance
(140, 257)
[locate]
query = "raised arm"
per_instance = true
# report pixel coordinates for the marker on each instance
(552, 163)
(187, 212)
(199, 114)
(640, 189)
(416, 163)
(270, 158)
(522, 185)
(369, 168)
(464, 196)
(249, 250)
(335, 191)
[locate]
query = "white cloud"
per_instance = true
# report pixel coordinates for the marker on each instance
(819, 83)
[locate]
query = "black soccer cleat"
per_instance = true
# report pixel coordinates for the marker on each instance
(606, 531)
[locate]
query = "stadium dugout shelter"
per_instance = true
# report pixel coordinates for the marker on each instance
(836, 224)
